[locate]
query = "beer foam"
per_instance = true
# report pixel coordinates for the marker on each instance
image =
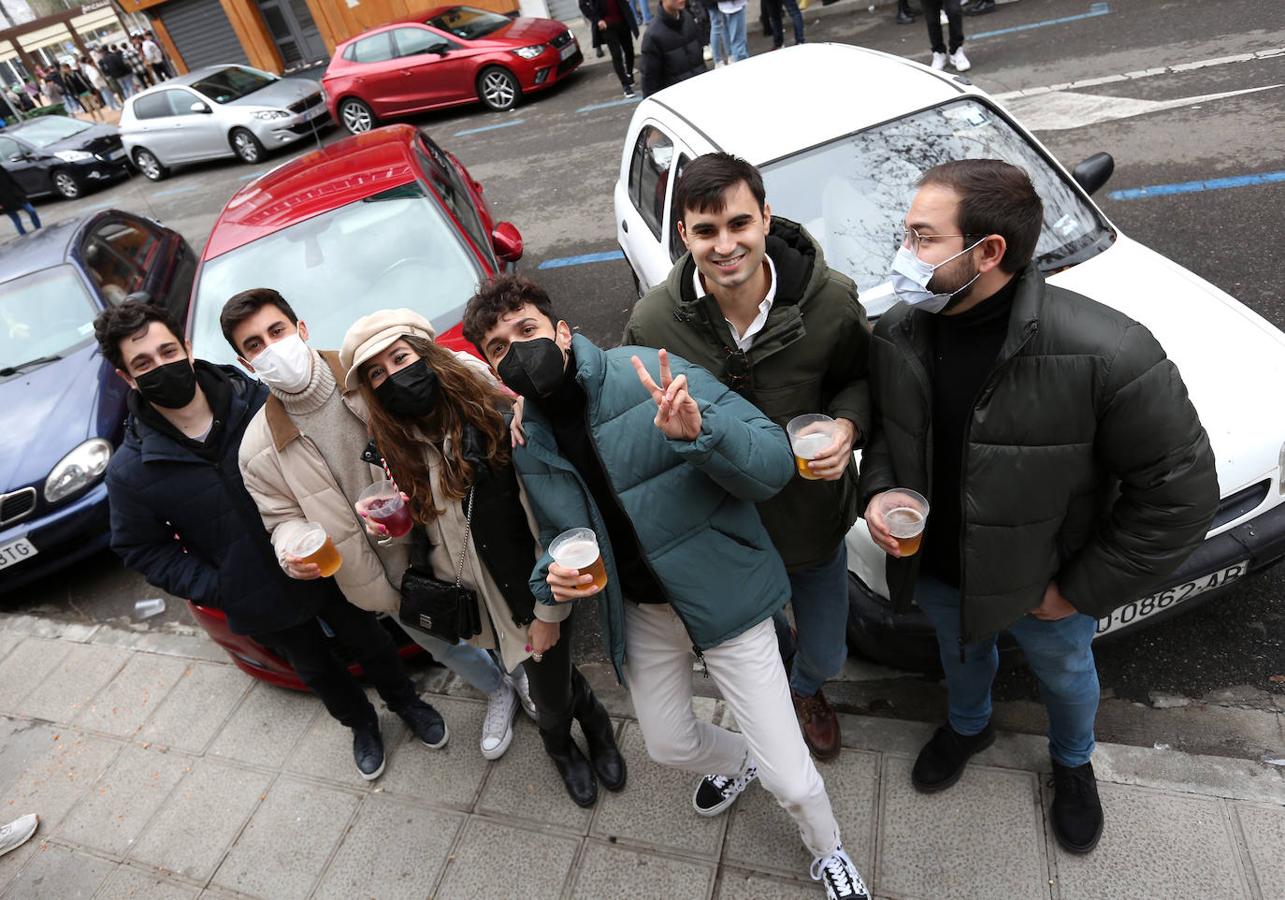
(576, 554)
(904, 521)
(810, 446)
(309, 543)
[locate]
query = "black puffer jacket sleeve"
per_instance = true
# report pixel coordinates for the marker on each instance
(1149, 436)
(877, 474)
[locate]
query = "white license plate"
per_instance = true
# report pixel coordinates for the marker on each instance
(117, 154)
(568, 51)
(1132, 613)
(15, 552)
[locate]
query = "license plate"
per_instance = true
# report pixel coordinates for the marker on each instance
(15, 552)
(117, 154)
(1132, 613)
(568, 51)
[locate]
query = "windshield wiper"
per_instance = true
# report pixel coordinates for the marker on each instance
(38, 361)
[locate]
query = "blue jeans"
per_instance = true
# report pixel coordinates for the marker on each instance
(719, 46)
(819, 598)
(774, 19)
(736, 35)
(1059, 653)
(17, 222)
(641, 11)
(475, 665)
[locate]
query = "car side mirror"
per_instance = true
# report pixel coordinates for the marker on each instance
(199, 107)
(1093, 172)
(507, 242)
(440, 49)
(18, 157)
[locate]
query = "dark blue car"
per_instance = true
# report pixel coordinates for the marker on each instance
(62, 407)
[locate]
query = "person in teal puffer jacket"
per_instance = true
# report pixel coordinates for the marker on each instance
(665, 464)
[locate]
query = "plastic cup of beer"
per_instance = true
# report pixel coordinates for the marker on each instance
(382, 502)
(578, 549)
(313, 545)
(905, 512)
(810, 436)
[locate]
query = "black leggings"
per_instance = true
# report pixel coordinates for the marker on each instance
(557, 687)
(932, 16)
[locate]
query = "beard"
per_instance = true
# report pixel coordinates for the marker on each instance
(961, 276)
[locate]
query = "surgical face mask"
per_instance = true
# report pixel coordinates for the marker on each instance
(171, 386)
(285, 365)
(409, 393)
(533, 369)
(910, 276)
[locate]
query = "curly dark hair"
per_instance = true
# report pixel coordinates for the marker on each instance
(116, 323)
(502, 294)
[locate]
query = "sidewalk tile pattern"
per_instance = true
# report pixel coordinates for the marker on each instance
(1264, 830)
(497, 860)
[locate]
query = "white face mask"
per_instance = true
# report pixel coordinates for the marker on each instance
(910, 276)
(285, 365)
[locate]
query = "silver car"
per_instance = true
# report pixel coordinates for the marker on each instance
(218, 111)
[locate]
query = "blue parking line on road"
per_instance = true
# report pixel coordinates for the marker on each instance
(249, 177)
(583, 259)
(1095, 10)
(489, 127)
(1192, 187)
(182, 189)
(623, 101)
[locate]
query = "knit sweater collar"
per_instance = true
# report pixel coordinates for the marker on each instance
(314, 396)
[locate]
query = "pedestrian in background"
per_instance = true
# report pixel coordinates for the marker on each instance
(642, 14)
(99, 83)
(1067, 469)
(774, 8)
(13, 200)
(115, 68)
(436, 416)
(942, 53)
(57, 92)
(719, 46)
(613, 24)
(905, 13)
(75, 83)
(735, 16)
(133, 55)
(671, 48)
(154, 57)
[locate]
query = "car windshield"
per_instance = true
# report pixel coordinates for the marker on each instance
(468, 23)
(853, 193)
(232, 83)
(45, 313)
(51, 129)
(393, 249)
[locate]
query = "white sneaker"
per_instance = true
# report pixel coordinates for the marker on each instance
(939, 61)
(840, 876)
(716, 793)
(497, 729)
(523, 687)
(958, 60)
(945, 19)
(17, 833)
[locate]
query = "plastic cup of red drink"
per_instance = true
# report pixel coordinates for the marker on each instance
(382, 503)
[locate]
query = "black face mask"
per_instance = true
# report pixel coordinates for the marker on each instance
(171, 386)
(409, 393)
(534, 369)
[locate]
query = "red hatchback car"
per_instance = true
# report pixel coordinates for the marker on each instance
(445, 57)
(378, 220)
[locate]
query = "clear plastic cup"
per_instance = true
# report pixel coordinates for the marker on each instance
(810, 436)
(578, 549)
(313, 545)
(382, 502)
(905, 512)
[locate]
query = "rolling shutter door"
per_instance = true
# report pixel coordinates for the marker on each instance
(201, 32)
(566, 10)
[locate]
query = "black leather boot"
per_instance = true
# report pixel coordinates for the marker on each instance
(599, 732)
(577, 775)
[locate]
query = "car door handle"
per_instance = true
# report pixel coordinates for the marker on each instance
(624, 226)
(407, 72)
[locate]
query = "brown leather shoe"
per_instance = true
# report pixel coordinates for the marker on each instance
(819, 723)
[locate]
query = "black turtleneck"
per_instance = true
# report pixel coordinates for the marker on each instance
(965, 348)
(566, 409)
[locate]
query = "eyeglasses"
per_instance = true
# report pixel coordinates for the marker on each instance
(740, 376)
(908, 237)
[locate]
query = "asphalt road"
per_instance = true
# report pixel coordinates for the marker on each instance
(551, 168)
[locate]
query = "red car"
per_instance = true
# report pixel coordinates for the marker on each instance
(377, 220)
(445, 57)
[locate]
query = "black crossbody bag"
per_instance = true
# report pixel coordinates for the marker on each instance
(446, 611)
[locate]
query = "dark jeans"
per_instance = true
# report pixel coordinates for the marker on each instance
(620, 44)
(932, 16)
(307, 649)
(17, 222)
(559, 690)
(774, 18)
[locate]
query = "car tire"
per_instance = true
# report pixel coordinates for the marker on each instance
(246, 146)
(147, 163)
(67, 185)
(356, 116)
(498, 88)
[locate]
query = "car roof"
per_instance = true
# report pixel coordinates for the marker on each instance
(45, 247)
(315, 183)
(720, 103)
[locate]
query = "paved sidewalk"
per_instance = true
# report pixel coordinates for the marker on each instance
(160, 770)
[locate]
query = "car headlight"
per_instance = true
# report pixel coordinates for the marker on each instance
(530, 52)
(269, 114)
(73, 155)
(78, 470)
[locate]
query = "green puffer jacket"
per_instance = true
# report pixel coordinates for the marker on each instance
(691, 502)
(1085, 461)
(810, 357)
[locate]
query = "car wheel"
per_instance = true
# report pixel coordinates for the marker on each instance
(149, 165)
(247, 146)
(356, 116)
(67, 185)
(498, 88)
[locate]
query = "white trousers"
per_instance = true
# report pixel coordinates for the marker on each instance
(748, 672)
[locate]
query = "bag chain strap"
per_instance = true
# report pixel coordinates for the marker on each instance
(468, 527)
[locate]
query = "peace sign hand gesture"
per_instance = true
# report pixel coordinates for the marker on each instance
(677, 415)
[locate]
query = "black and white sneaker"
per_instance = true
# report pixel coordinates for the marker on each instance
(716, 793)
(426, 724)
(840, 876)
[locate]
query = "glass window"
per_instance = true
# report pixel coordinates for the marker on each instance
(153, 106)
(232, 83)
(392, 249)
(468, 23)
(118, 256)
(48, 130)
(416, 41)
(45, 313)
(649, 175)
(852, 194)
(446, 181)
(676, 246)
(181, 102)
(376, 48)
(9, 148)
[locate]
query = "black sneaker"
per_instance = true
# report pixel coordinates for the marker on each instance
(942, 760)
(979, 8)
(368, 750)
(716, 793)
(629, 90)
(426, 723)
(840, 876)
(1077, 811)
(905, 17)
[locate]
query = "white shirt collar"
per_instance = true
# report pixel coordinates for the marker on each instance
(746, 340)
